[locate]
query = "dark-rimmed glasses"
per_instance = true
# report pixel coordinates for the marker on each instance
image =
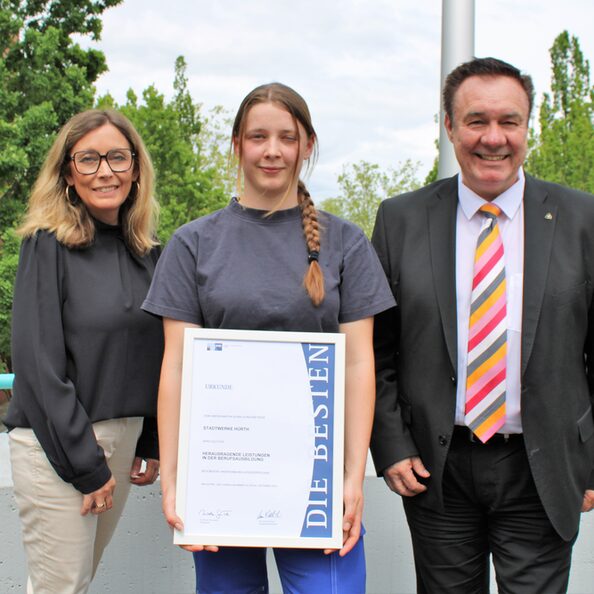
(88, 162)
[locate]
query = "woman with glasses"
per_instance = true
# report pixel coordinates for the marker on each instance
(86, 357)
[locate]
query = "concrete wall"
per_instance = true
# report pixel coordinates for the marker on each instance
(142, 560)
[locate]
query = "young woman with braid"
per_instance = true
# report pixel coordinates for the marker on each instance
(248, 266)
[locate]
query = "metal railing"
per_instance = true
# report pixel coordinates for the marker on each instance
(6, 380)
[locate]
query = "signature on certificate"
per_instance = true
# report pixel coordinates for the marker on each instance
(269, 514)
(214, 514)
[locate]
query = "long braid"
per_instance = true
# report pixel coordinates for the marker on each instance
(314, 278)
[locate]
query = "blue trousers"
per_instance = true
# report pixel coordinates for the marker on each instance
(242, 570)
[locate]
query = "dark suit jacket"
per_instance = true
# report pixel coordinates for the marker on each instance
(415, 343)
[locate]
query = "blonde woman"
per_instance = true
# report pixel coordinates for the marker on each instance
(271, 261)
(85, 356)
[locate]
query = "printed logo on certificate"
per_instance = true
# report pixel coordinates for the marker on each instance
(261, 439)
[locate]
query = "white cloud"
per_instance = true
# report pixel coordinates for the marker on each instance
(369, 69)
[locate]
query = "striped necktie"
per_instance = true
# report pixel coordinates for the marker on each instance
(487, 334)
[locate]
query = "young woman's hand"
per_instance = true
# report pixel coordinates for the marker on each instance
(176, 523)
(352, 517)
(353, 514)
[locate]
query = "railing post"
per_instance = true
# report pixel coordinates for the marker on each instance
(6, 381)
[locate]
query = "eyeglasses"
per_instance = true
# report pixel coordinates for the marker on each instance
(88, 162)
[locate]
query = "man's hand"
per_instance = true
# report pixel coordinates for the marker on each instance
(150, 474)
(401, 477)
(588, 503)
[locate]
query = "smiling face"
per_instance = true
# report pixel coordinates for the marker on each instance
(489, 132)
(103, 192)
(272, 149)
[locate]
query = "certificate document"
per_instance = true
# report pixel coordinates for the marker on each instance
(260, 458)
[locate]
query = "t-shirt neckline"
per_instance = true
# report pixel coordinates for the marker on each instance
(260, 216)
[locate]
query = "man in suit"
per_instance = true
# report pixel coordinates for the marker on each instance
(485, 368)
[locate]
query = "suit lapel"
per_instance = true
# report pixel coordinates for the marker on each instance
(540, 215)
(441, 213)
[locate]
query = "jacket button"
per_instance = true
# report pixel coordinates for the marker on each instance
(443, 440)
(453, 380)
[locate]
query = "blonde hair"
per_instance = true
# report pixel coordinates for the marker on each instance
(290, 100)
(52, 208)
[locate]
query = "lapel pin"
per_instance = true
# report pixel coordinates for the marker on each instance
(549, 216)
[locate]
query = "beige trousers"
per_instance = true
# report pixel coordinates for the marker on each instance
(63, 548)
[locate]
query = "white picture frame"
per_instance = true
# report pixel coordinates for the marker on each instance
(261, 439)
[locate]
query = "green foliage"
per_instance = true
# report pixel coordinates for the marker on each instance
(45, 78)
(186, 150)
(563, 151)
(363, 186)
(9, 243)
(434, 171)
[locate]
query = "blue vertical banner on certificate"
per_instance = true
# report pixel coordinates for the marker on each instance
(320, 362)
(261, 439)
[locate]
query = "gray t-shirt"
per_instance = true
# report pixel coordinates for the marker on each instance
(240, 269)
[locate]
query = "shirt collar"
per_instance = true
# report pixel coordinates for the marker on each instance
(509, 201)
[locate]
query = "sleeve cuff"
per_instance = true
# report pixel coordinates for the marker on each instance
(92, 481)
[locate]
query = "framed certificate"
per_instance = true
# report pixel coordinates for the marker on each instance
(261, 436)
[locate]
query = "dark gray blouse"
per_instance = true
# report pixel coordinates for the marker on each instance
(83, 350)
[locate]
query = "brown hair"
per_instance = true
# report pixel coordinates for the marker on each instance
(483, 67)
(51, 207)
(290, 100)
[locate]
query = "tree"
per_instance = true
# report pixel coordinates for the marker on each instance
(432, 175)
(190, 167)
(363, 186)
(45, 78)
(563, 151)
(8, 266)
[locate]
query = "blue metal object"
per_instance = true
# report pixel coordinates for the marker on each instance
(6, 380)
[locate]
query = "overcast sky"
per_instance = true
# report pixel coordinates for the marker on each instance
(369, 69)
